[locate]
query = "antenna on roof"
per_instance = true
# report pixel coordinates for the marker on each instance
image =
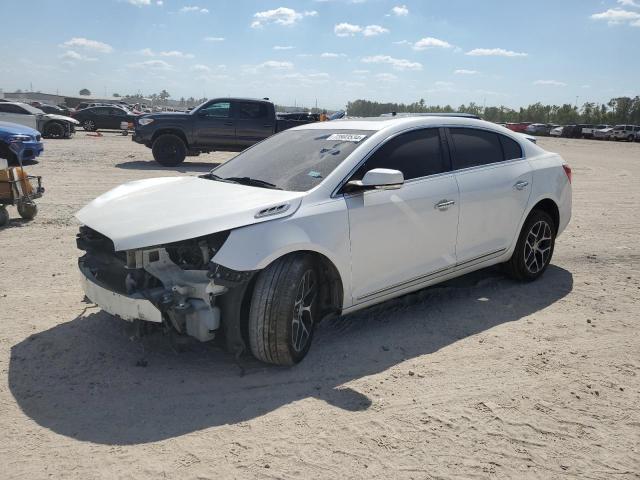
(265, 98)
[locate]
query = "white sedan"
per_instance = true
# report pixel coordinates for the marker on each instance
(322, 220)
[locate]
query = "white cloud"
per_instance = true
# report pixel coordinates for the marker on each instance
(400, 11)
(151, 64)
(276, 65)
(442, 84)
(200, 68)
(402, 42)
(360, 72)
(176, 53)
(396, 63)
(147, 52)
(618, 16)
(346, 29)
(139, 3)
(552, 83)
(283, 47)
(629, 3)
(214, 39)
(280, 16)
(430, 42)
(495, 52)
(349, 30)
(463, 71)
(80, 42)
(331, 55)
(386, 77)
(374, 30)
(194, 8)
(73, 55)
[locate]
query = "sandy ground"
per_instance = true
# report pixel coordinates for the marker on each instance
(479, 378)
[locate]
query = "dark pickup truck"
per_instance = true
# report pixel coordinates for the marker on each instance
(228, 124)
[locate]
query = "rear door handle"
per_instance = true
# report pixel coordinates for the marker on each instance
(267, 126)
(443, 205)
(521, 185)
(228, 124)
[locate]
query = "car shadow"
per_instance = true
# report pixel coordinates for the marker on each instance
(152, 165)
(87, 379)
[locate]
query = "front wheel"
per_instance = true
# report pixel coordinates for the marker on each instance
(534, 249)
(54, 130)
(89, 126)
(169, 150)
(4, 216)
(284, 310)
(27, 209)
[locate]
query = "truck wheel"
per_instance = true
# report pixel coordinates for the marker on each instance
(4, 216)
(284, 309)
(54, 130)
(534, 249)
(169, 150)
(27, 209)
(89, 126)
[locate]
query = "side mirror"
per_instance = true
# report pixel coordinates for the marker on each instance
(378, 179)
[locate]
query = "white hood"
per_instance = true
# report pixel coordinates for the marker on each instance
(53, 116)
(164, 210)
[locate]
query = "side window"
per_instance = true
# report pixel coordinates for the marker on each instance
(13, 109)
(475, 147)
(217, 110)
(117, 112)
(102, 111)
(252, 110)
(416, 154)
(510, 147)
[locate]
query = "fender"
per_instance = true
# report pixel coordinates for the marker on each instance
(254, 247)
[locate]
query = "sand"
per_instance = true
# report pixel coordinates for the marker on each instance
(478, 378)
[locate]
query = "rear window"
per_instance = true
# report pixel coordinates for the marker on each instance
(510, 147)
(294, 160)
(475, 147)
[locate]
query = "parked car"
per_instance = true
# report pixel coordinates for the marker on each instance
(229, 124)
(29, 142)
(556, 131)
(49, 125)
(603, 133)
(103, 118)
(625, 132)
(540, 129)
(55, 110)
(518, 127)
(572, 131)
(322, 220)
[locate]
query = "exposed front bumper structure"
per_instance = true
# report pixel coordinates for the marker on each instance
(127, 307)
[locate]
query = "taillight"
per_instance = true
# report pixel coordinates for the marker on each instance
(567, 170)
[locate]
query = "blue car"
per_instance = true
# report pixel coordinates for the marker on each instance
(19, 142)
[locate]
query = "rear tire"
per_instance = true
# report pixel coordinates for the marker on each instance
(284, 309)
(89, 126)
(534, 249)
(630, 138)
(27, 210)
(169, 150)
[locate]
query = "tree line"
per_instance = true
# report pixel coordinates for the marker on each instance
(618, 110)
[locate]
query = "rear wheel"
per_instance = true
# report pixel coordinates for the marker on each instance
(89, 126)
(54, 130)
(630, 138)
(534, 249)
(284, 309)
(169, 150)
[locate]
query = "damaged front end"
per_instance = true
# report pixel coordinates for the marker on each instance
(175, 284)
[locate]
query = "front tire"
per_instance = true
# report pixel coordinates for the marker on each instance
(534, 249)
(284, 310)
(169, 150)
(54, 130)
(89, 126)
(4, 216)
(27, 209)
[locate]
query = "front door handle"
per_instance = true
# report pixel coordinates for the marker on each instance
(521, 185)
(443, 205)
(228, 124)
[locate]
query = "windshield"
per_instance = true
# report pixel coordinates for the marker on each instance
(294, 160)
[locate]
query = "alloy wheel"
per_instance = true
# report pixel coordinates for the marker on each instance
(302, 322)
(537, 248)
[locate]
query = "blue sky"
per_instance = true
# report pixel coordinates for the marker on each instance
(454, 51)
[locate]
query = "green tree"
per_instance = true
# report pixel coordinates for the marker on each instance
(85, 92)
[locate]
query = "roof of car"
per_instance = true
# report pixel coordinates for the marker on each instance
(381, 123)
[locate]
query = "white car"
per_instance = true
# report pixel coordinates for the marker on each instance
(556, 132)
(320, 220)
(49, 124)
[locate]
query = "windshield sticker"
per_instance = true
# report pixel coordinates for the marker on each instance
(346, 137)
(314, 174)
